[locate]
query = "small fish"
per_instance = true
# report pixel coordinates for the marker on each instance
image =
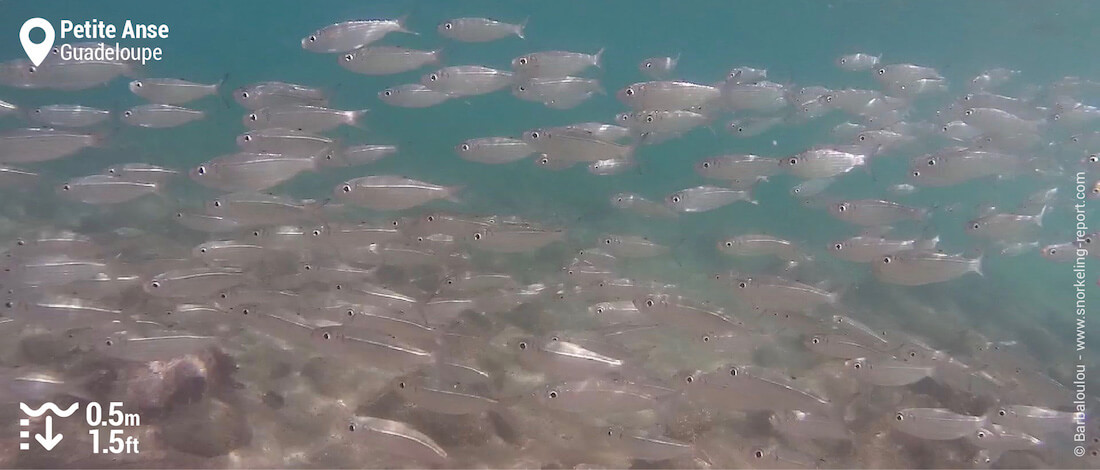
(825, 162)
(872, 246)
(751, 127)
(412, 95)
(141, 172)
(810, 188)
(632, 246)
(600, 396)
(555, 63)
(874, 212)
(467, 80)
(479, 29)
(557, 92)
(285, 141)
(303, 118)
(887, 372)
(640, 205)
(248, 171)
(105, 189)
(160, 116)
(574, 145)
(667, 95)
(433, 394)
(705, 198)
(392, 192)
(612, 166)
(858, 62)
(61, 115)
(349, 35)
(1006, 227)
(919, 267)
(739, 167)
(267, 94)
(514, 240)
(659, 68)
(171, 90)
(761, 245)
(193, 282)
(396, 438)
(776, 293)
(357, 155)
(387, 60)
(939, 424)
(1035, 420)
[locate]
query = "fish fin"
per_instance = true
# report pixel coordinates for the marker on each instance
(928, 244)
(1039, 216)
(438, 56)
(356, 118)
(218, 86)
(675, 61)
(976, 265)
(452, 193)
(402, 21)
(522, 25)
(598, 62)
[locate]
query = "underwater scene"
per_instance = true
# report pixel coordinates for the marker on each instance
(514, 234)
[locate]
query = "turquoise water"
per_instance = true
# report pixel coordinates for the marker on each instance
(1023, 298)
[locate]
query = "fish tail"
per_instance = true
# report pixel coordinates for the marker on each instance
(521, 26)
(218, 86)
(452, 193)
(976, 265)
(1039, 216)
(402, 22)
(355, 118)
(598, 58)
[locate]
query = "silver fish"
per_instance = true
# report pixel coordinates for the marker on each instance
(357, 155)
(39, 145)
(761, 245)
(387, 60)
(640, 205)
(392, 192)
(105, 189)
(467, 80)
(667, 95)
(285, 141)
(349, 35)
(706, 198)
(919, 267)
(872, 212)
(396, 438)
(775, 293)
(857, 62)
(413, 95)
(659, 68)
(160, 116)
(479, 29)
(887, 372)
(267, 94)
(193, 282)
(938, 424)
(141, 172)
(248, 171)
(556, 63)
(632, 246)
(62, 115)
(303, 118)
(494, 150)
(171, 90)
(825, 162)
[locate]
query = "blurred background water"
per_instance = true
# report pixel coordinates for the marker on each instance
(1024, 298)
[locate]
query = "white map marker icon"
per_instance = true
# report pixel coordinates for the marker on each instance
(36, 52)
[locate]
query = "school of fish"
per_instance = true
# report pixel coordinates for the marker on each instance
(388, 323)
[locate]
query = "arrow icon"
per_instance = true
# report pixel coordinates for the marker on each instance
(50, 439)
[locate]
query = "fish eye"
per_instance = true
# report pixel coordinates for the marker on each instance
(706, 165)
(887, 260)
(244, 94)
(838, 247)
(535, 135)
(217, 203)
(969, 112)
(742, 284)
(1052, 251)
(649, 119)
(430, 218)
(201, 170)
(9, 304)
(401, 385)
(689, 379)
(316, 233)
(648, 302)
(607, 241)
(256, 233)
(857, 366)
(465, 147)
(387, 93)
(477, 236)
(648, 64)
(706, 339)
(815, 340)
(882, 71)
(676, 198)
(758, 454)
(252, 117)
(842, 207)
(523, 345)
(65, 187)
(447, 25)
(202, 250)
(137, 84)
(843, 60)
(245, 311)
(154, 284)
(619, 199)
(1094, 158)
(629, 92)
(980, 434)
(350, 312)
(348, 57)
(916, 173)
(127, 113)
(346, 188)
(351, 427)
(862, 138)
(976, 226)
(247, 138)
(326, 336)
(729, 244)
(552, 394)
(108, 342)
(521, 88)
(522, 61)
(793, 161)
(899, 417)
(1001, 412)
(312, 38)
(599, 309)
(433, 77)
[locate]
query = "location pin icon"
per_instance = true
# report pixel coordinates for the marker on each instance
(36, 52)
